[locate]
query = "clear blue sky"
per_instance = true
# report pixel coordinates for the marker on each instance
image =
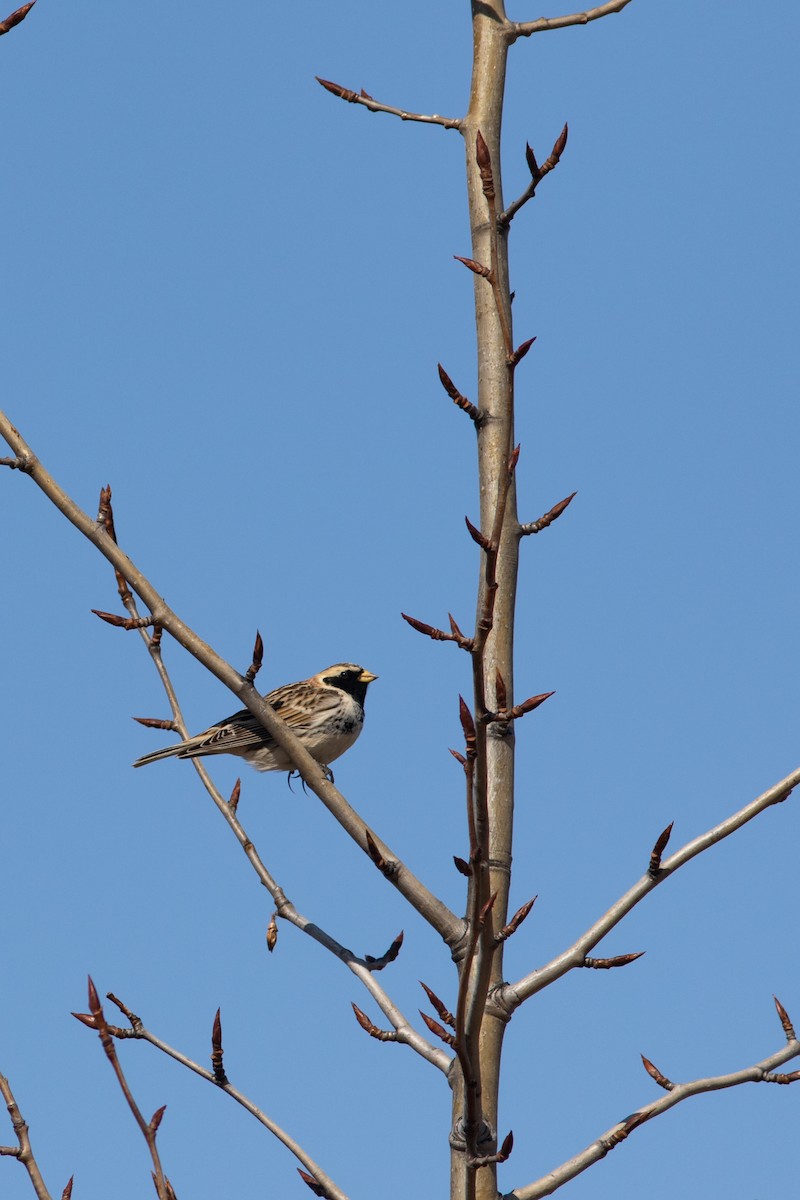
(225, 293)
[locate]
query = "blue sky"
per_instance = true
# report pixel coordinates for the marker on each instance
(225, 293)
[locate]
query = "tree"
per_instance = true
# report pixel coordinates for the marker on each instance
(322, 561)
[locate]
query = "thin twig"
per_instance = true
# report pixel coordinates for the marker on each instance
(760, 1072)
(149, 1129)
(373, 105)
(518, 29)
(140, 1033)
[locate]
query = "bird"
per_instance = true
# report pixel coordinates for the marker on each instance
(326, 712)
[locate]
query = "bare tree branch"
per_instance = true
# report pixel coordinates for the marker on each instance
(149, 1129)
(373, 105)
(23, 1151)
(760, 1072)
(449, 927)
(526, 28)
(508, 997)
(362, 968)
(140, 1033)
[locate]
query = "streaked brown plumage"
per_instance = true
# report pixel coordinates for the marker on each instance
(326, 712)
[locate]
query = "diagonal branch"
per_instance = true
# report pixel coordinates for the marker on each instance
(760, 1072)
(140, 1033)
(520, 29)
(425, 902)
(373, 105)
(360, 967)
(509, 996)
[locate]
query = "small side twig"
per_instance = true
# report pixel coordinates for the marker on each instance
(520, 29)
(373, 105)
(149, 1129)
(760, 1072)
(608, 964)
(140, 1033)
(537, 175)
(439, 635)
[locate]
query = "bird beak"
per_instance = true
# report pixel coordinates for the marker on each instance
(366, 677)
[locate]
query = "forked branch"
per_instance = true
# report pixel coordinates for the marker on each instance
(138, 1032)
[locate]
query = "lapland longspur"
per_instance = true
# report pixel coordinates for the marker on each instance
(326, 712)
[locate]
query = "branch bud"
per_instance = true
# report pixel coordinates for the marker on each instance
(258, 658)
(476, 267)
(455, 395)
(437, 1029)
(477, 536)
(788, 1027)
(521, 351)
(654, 1073)
(156, 1118)
(484, 161)
(659, 848)
(233, 803)
(18, 15)
(316, 1188)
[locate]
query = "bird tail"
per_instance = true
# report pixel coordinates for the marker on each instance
(157, 755)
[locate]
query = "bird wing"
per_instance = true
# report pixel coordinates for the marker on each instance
(300, 705)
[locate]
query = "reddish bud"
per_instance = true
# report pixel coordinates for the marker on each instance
(476, 267)
(156, 1118)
